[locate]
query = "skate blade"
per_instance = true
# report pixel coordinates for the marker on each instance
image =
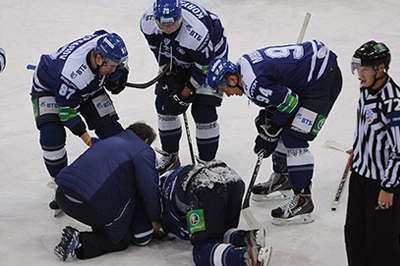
(261, 238)
(299, 219)
(264, 255)
(276, 195)
(58, 213)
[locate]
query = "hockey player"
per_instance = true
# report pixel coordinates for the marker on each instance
(112, 187)
(2, 60)
(372, 228)
(190, 37)
(296, 85)
(202, 203)
(71, 83)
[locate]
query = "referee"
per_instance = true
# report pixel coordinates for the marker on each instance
(372, 228)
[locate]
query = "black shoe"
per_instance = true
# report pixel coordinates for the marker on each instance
(53, 205)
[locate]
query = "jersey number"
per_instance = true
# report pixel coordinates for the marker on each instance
(393, 105)
(66, 91)
(282, 52)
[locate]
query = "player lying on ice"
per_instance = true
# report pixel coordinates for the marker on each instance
(202, 203)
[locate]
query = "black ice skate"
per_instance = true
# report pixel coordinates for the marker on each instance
(297, 211)
(69, 242)
(278, 186)
(167, 162)
(257, 253)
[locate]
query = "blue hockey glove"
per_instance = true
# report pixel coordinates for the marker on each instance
(116, 81)
(176, 104)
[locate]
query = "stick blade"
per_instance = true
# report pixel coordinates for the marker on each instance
(250, 219)
(335, 145)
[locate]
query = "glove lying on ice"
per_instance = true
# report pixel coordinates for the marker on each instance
(176, 104)
(116, 81)
(268, 133)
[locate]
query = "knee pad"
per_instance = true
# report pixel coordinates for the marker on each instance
(52, 136)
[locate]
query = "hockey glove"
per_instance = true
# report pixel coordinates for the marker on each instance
(116, 81)
(268, 133)
(176, 104)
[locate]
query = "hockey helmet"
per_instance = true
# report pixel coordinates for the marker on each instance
(217, 70)
(371, 53)
(167, 12)
(112, 47)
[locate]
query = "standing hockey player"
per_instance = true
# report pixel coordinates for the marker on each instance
(297, 86)
(2, 60)
(202, 203)
(187, 37)
(71, 83)
(372, 228)
(112, 187)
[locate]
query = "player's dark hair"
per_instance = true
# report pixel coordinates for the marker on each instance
(143, 131)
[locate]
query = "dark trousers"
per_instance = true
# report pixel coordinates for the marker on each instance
(94, 243)
(371, 236)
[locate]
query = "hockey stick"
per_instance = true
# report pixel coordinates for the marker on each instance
(335, 202)
(246, 211)
(189, 138)
(340, 147)
(129, 84)
(304, 27)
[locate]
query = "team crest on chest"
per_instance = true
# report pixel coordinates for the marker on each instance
(369, 116)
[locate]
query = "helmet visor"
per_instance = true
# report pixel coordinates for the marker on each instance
(355, 63)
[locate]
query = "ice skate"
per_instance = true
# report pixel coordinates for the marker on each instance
(278, 186)
(69, 242)
(297, 211)
(167, 162)
(257, 253)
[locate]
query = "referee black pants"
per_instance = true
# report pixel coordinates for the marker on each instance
(371, 236)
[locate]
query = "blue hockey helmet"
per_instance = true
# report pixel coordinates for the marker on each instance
(112, 47)
(217, 70)
(167, 12)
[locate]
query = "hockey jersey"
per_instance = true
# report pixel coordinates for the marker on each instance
(67, 74)
(376, 143)
(276, 76)
(200, 39)
(114, 176)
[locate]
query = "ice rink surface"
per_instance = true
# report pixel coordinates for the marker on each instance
(28, 231)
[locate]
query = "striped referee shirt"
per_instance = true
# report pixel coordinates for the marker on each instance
(376, 144)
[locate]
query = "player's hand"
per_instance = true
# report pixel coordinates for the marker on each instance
(116, 81)
(176, 104)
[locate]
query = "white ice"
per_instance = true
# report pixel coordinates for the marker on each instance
(28, 231)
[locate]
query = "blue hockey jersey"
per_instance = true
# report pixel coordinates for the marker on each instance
(114, 176)
(67, 74)
(277, 76)
(199, 40)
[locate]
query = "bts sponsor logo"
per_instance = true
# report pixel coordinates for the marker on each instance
(304, 120)
(48, 105)
(193, 33)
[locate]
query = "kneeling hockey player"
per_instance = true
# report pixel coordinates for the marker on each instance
(202, 203)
